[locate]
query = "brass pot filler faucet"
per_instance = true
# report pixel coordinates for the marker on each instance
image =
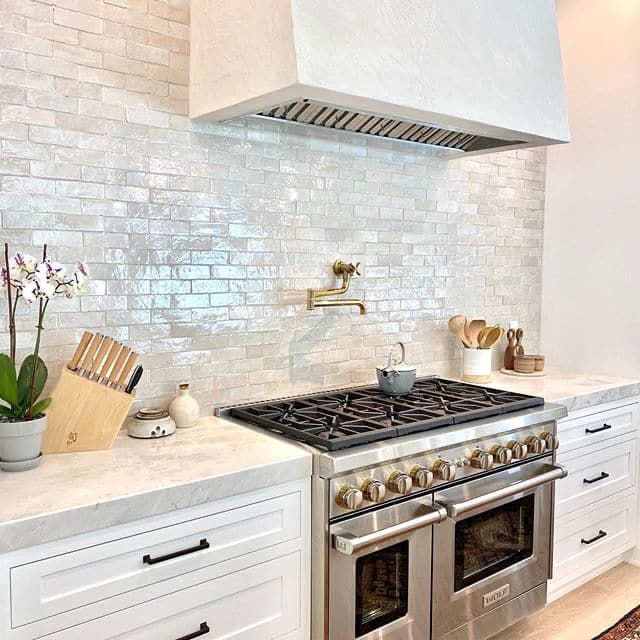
(345, 270)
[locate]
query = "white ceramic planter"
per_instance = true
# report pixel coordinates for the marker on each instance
(476, 365)
(21, 442)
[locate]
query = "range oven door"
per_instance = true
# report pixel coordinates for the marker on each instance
(380, 573)
(494, 547)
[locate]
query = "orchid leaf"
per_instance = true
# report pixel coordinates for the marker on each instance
(34, 370)
(40, 407)
(8, 381)
(6, 412)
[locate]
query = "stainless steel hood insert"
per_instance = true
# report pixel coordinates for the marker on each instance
(315, 113)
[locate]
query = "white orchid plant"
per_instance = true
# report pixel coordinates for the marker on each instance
(24, 277)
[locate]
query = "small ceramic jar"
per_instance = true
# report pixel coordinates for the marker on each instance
(184, 409)
(151, 423)
(524, 364)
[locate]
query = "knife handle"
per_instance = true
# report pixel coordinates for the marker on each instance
(111, 356)
(117, 367)
(127, 368)
(80, 349)
(88, 356)
(105, 345)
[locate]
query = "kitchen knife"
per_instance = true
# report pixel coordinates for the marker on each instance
(117, 367)
(87, 359)
(135, 378)
(125, 372)
(80, 349)
(111, 356)
(105, 345)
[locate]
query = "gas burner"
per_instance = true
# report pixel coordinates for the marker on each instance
(341, 419)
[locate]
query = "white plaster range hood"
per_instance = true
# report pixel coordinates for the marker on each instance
(468, 75)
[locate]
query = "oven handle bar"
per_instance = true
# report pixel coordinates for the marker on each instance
(349, 544)
(551, 473)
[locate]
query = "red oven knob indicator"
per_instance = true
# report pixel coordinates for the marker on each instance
(349, 497)
(399, 482)
(421, 476)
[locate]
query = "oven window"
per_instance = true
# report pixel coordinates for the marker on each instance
(382, 580)
(493, 540)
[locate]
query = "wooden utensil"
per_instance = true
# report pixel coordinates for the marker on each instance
(111, 356)
(475, 326)
(80, 349)
(519, 349)
(105, 345)
(456, 326)
(87, 359)
(510, 350)
(467, 335)
(125, 372)
(489, 336)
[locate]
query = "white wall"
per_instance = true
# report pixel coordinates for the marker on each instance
(591, 296)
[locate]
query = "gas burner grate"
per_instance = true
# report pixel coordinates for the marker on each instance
(341, 419)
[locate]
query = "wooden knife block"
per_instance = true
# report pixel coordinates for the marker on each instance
(84, 415)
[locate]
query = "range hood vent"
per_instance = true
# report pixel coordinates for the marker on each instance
(314, 113)
(464, 77)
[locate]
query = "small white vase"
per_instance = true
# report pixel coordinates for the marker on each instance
(21, 441)
(476, 365)
(184, 409)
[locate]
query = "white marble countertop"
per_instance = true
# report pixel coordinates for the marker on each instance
(72, 493)
(574, 390)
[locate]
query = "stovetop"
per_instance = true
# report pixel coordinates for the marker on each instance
(350, 417)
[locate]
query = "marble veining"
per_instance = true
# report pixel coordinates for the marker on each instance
(80, 492)
(574, 390)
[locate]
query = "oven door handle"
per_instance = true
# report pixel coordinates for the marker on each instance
(349, 544)
(549, 474)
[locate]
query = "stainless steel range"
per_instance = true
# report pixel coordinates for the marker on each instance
(432, 512)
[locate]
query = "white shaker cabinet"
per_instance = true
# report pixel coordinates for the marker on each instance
(596, 506)
(236, 569)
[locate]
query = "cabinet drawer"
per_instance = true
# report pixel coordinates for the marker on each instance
(594, 429)
(586, 539)
(81, 577)
(259, 602)
(597, 475)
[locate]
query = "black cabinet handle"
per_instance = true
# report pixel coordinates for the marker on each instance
(602, 476)
(601, 534)
(604, 427)
(147, 559)
(204, 629)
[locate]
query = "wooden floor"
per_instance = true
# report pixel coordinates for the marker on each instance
(585, 612)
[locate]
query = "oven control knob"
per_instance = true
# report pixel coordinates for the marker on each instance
(535, 444)
(400, 483)
(550, 440)
(481, 459)
(349, 497)
(519, 450)
(373, 490)
(444, 470)
(421, 476)
(502, 455)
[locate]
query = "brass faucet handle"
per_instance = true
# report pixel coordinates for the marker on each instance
(341, 268)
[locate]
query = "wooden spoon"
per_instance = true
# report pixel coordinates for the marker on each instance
(490, 336)
(467, 334)
(475, 327)
(456, 326)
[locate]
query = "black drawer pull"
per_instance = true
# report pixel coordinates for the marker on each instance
(203, 630)
(602, 476)
(176, 554)
(601, 534)
(604, 427)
